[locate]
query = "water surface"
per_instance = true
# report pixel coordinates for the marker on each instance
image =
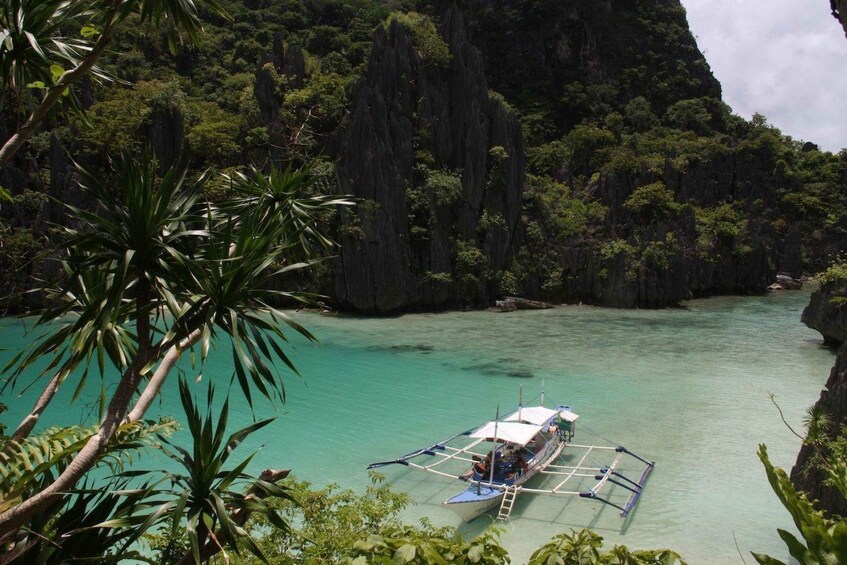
(688, 388)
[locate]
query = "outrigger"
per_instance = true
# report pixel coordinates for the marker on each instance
(533, 440)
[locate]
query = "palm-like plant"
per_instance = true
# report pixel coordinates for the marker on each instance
(25, 465)
(35, 50)
(203, 497)
(33, 47)
(153, 272)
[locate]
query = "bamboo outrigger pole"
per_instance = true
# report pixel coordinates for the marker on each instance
(494, 450)
(520, 405)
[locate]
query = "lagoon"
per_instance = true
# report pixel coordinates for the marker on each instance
(688, 387)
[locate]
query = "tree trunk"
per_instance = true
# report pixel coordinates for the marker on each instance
(154, 385)
(86, 458)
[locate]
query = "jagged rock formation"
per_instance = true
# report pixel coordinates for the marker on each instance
(839, 11)
(423, 236)
(833, 401)
(396, 256)
(827, 317)
(287, 61)
(552, 44)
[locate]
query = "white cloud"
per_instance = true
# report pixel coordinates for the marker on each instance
(786, 59)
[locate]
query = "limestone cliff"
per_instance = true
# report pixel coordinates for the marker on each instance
(833, 401)
(839, 11)
(438, 164)
(826, 314)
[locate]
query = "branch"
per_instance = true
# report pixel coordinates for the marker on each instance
(28, 423)
(55, 92)
(781, 415)
(154, 385)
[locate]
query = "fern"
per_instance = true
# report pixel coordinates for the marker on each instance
(23, 465)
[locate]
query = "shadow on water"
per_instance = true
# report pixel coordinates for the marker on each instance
(404, 348)
(495, 369)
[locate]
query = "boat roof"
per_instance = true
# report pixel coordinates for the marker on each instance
(538, 415)
(510, 432)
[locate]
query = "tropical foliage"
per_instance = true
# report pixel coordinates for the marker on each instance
(206, 501)
(586, 546)
(824, 540)
(275, 81)
(834, 283)
(339, 526)
(36, 51)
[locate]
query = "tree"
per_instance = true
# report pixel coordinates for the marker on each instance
(35, 51)
(156, 271)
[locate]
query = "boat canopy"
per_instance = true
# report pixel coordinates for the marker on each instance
(510, 432)
(538, 415)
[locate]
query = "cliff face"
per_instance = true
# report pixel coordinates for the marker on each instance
(538, 52)
(826, 314)
(839, 11)
(408, 247)
(833, 401)
(439, 165)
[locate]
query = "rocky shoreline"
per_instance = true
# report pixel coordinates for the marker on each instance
(828, 317)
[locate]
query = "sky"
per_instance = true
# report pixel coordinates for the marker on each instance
(785, 59)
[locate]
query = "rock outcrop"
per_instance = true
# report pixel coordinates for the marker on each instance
(825, 315)
(438, 164)
(830, 318)
(839, 12)
(785, 282)
(513, 303)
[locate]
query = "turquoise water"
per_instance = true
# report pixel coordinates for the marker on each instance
(688, 388)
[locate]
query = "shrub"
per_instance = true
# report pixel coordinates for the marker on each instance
(652, 201)
(445, 186)
(425, 38)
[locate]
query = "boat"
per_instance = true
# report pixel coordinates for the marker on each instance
(498, 458)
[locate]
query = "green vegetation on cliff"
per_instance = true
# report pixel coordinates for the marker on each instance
(614, 99)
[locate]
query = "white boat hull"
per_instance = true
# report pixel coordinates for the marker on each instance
(468, 511)
(488, 497)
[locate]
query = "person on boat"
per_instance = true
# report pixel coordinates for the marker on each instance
(518, 465)
(483, 465)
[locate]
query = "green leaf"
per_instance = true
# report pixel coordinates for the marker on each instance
(36, 84)
(56, 71)
(88, 31)
(766, 559)
(405, 554)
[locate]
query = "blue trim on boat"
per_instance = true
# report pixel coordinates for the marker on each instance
(475, 493)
